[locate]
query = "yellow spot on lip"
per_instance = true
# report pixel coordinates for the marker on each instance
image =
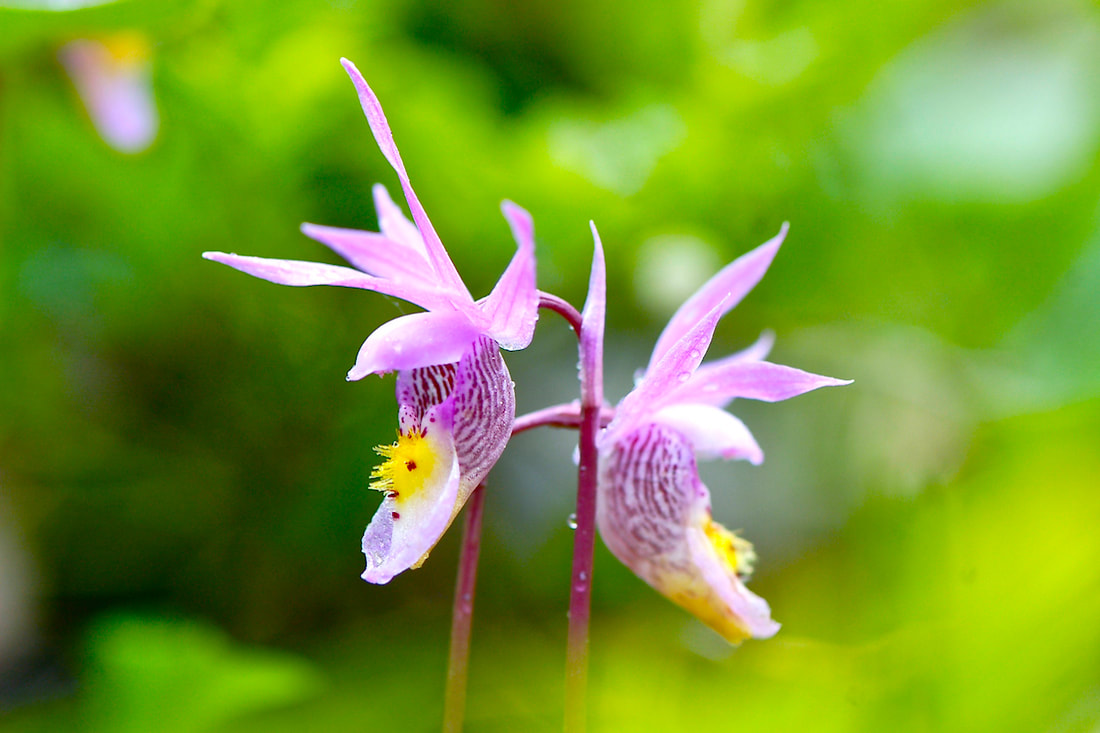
(735, 551)
(409, 463)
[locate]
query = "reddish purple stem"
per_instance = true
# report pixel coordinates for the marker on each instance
(590, 415)
(580, 592)
(563, 309)
(454, 703)
(584, 540)
(558, 416)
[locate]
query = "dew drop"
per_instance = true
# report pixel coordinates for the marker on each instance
(571, 521)
(683, 376)
(695, 354)
(583, 575)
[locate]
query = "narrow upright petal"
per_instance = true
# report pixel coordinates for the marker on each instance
(672, 370)
(438, 256)
(512, 306)
(592, 322)
(728, 287)
(417, 340)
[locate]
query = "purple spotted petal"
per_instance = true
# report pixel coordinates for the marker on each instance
(646, 485)
(437, 255)
(484, 410)
(512, 307)
(299, 273)
(373, 253)
(728, 287)
(405, 529)
(652, 513)
(718, 383)
(712, 432)
(417, 340)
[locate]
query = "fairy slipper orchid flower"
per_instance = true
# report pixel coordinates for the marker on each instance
(456, 400)
(653, 509)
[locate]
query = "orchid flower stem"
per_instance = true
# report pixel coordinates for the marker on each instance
(454, 704)
(590, 417)
(580, 592)
(558, 416)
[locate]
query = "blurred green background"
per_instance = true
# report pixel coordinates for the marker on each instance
(183, 468)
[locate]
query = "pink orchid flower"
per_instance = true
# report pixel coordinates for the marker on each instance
(653, 509)
(456, 400)
(114, 79)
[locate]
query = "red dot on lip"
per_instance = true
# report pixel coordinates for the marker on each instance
(395, 515)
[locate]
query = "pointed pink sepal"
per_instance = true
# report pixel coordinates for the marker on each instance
(512, 306)
(718, 383)
(372, 252)
(304, 274)
(376, 118)
(728, 287)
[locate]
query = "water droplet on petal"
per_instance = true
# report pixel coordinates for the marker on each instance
(683, 376)
(695, 354)
(571, 521)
